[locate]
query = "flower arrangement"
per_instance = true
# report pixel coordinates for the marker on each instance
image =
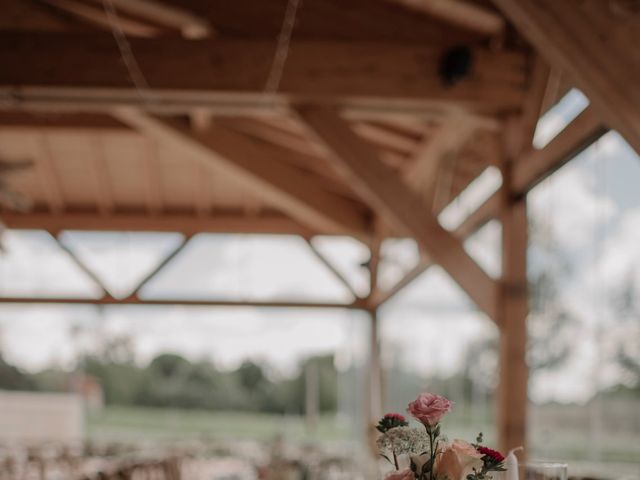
(431, 456)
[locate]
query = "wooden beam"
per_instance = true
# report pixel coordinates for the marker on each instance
(232, 74)
(187, 224)
(271, 133)
(357, 304)
(17, 119)
(444, 143)
(461, 13)
(534, 166)
(479, 217)
(373, 266)
(96, 16)
(283, 186)
(191, 25)
(567, 35)
(385, 138)
(533, 107)
(513, 311)
(379, 185)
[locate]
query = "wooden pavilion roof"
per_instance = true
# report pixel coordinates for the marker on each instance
(159, 116)
(206, 64)
(203, 116)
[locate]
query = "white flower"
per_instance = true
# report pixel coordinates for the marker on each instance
(403, 440)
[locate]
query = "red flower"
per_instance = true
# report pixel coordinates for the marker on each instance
(395, 416)
(391, 420)
(492, 454)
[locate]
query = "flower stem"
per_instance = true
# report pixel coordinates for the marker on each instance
(395, 460)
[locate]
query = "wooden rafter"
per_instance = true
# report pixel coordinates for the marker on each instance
(384, 137)
(287, 188)
(446, 141)
(532, 108)
(191, 25)
(569, 37)
(461, 13)
(269, 132)
(96, 16)
(381, 188)
(365, 76)
(535, 165)
(187, 224)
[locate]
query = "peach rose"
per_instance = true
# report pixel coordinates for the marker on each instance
(429, 408)
(404, 474)
(458, 460)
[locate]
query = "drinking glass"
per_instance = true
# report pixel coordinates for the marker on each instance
(542, 471)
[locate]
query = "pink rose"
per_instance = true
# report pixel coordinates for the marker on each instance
(404, 474)
(458, 460)
(429, 408)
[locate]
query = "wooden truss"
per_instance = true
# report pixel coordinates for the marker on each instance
(365, 136)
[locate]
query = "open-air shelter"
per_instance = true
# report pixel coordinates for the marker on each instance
(363, 118)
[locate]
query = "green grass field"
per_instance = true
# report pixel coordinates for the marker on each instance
(143, 424)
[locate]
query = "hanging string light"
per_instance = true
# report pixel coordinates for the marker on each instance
(282, 49)
(126, 53)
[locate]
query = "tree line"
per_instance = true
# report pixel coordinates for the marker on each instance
(171, 380)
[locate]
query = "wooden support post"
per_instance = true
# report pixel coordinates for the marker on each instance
(375, 392)
(375, 381)
(513, 309)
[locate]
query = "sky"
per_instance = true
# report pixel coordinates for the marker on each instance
(588, 213)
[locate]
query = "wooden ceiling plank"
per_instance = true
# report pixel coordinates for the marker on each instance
(561, 34)
(461, 13)
(153, 185)
(283, 186)
(104, 191)
(48, 175)
(379, 186)
(232, 74)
